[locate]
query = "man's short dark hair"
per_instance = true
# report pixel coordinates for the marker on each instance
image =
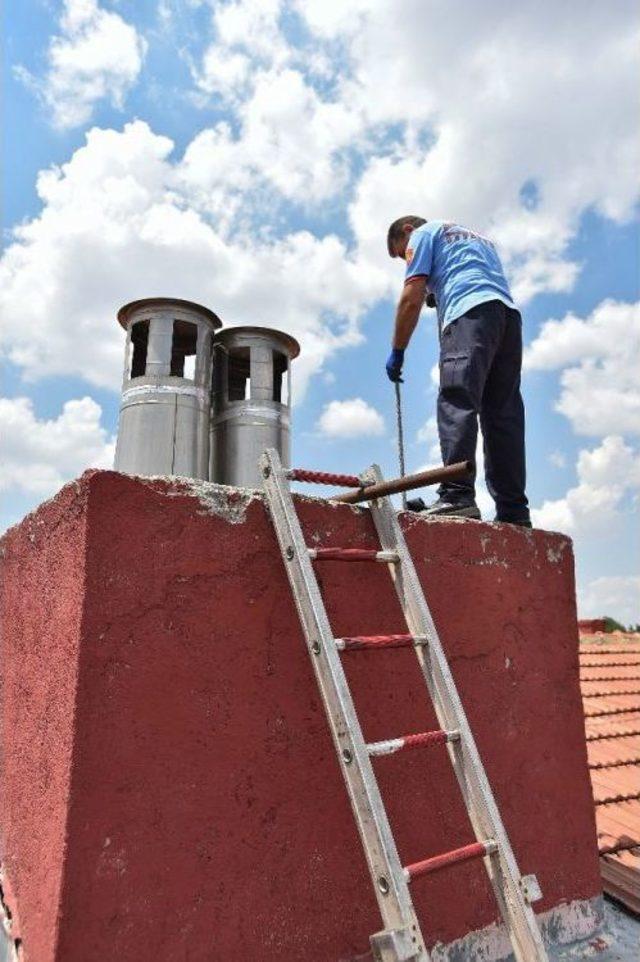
(396, 230)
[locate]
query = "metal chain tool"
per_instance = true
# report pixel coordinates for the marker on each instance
(400, 440)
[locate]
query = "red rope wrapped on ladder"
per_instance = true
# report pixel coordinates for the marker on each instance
(392, 745)
(429, 865)
(324, 477)
(352, 554)
(359, 642)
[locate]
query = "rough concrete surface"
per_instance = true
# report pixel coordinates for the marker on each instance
(618, 941)
(170, 790)
(624, 930)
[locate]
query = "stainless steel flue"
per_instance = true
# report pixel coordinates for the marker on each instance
(251, 402)
(165, 410)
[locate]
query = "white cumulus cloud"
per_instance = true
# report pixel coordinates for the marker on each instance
(223, 72)
(486, 117)
(485, 100)
(615, 596)
(353, 418)
(251, 25)
(290, 139)
(97, 56)
(38, 456)
(600, 358)
(246, 35)
(117, 225)
(605, 475)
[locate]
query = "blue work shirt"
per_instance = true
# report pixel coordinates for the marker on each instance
(462, 267)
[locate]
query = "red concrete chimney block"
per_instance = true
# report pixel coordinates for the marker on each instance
(590, 626)
(170, 790)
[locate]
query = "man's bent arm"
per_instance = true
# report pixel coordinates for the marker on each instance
(408, 310)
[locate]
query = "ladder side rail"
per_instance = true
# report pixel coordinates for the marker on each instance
(386, 870)
(483, 811)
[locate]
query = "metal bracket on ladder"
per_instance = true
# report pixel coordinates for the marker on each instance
(401, 940)
(396, 945)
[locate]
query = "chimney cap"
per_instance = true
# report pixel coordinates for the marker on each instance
(127, 310)
(237, 333)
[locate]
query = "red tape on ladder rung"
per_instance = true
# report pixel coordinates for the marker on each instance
(324, 477)
(464, 854)
(359, 642)
(393, 745)
(349, 554)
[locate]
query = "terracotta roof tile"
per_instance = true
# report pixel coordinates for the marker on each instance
(610, 682)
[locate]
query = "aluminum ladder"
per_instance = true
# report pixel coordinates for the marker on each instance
(401, 939)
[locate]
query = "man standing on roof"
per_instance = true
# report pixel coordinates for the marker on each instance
(459, 271)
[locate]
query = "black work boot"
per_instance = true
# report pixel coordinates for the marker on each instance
(444, 508)
(520, 522)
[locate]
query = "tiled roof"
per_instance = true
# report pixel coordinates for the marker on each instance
(610, 682)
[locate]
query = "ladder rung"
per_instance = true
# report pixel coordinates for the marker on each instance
(392, 745)
(476, 850)
(358, 642)
(324, 477)
(352, 554)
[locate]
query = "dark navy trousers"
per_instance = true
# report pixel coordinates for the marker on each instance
(480, 366)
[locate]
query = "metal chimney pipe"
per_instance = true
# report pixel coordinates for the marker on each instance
(251, 402)
(165, 408)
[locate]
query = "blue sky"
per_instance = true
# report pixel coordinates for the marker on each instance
(250, 154)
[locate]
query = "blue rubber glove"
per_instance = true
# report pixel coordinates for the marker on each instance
(394, 364)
